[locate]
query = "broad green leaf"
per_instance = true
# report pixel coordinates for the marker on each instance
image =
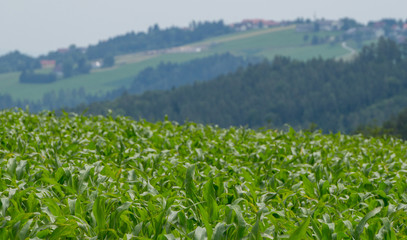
(205, 220)
(316, 229)
(308, 186)
(219, 231)
(241, 223)
(326, 232)
(5, 203)
(24, 232)
(301, 231)
(200, 234)
(99, 211)
(359, 228)
(189, 182)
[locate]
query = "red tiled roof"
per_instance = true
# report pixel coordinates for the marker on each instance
(47, 63)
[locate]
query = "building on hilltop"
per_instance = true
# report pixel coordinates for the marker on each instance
(96, 64)
(248, 24)
(319, 25)
(48, 63)
(305, 27)
(329, 25)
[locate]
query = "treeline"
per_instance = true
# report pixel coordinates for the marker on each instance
(29, 76)
(335, 95)
(54, 100)
(170, 75)
(396, 126)
(157, 38)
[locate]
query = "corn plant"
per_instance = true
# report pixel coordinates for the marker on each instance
(77, 177)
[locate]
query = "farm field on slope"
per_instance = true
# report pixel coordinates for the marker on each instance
(284, 41)
(260, 43)
(103, 177)
(97, 82)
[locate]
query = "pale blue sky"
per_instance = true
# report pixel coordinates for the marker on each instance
(38, 26)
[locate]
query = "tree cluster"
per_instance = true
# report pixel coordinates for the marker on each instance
(31, 77)
(15, 61)
(72, 61)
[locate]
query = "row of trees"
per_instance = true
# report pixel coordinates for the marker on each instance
(335, 95)
(56, 100)
(29, 76)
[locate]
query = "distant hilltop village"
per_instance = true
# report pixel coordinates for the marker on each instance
(248, 24)
(396, 30)
(350, 29)
(67, 62)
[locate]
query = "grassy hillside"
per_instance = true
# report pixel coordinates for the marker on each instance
(261, 43)
(281, 41)
(114, 178)
(99, 81)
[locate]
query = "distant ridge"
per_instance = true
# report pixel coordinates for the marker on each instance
(335, 95)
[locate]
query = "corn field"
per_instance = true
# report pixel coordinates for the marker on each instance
(78, 177)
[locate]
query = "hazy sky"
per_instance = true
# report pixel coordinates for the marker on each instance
(38, 26)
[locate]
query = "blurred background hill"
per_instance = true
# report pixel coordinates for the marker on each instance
(338, 74)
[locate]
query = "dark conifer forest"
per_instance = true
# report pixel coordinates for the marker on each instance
(334, 95)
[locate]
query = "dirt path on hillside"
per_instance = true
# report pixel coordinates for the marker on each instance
(252, 34)
(347, 56)
(194, 47)
(346, 47)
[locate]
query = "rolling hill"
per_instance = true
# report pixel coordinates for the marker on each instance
(259, 43)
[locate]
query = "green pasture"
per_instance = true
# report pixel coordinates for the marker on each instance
(7, 81)
(286, 42)
(98, 82)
